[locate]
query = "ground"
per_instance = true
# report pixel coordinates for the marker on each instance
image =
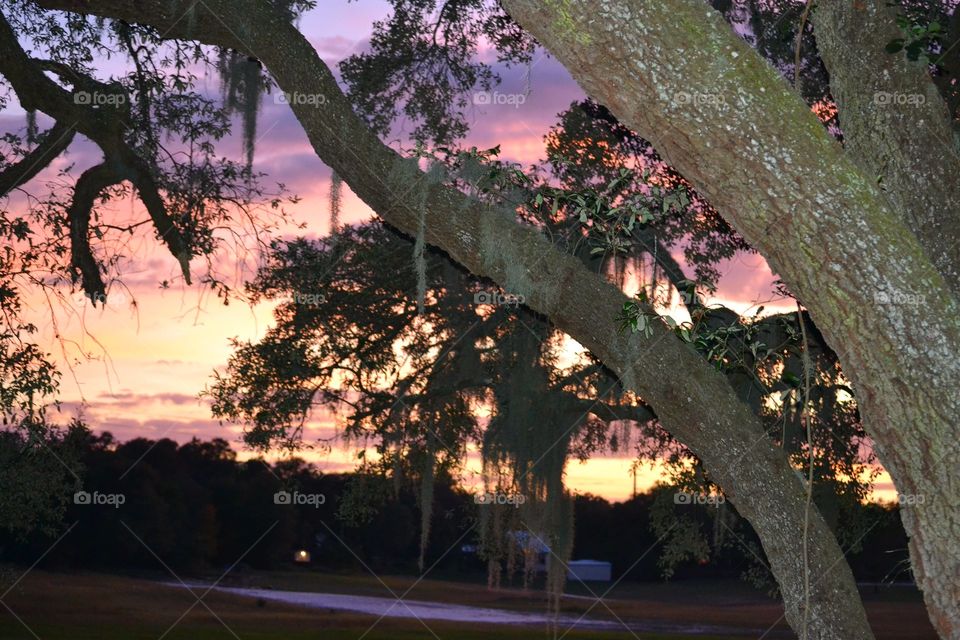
(93, 606)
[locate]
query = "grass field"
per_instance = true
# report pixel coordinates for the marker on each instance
(92, 606)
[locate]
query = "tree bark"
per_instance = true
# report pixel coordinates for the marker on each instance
(676, 73)
(896, 126)
(694, 402)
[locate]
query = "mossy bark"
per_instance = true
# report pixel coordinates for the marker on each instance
(896, 127)
(880, 293)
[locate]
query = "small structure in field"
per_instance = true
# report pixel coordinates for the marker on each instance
(589, 571)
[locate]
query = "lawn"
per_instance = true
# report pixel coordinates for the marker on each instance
(895, 613)
(102, 607)
(90, 606)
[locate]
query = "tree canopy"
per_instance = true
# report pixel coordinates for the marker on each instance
(857, 217)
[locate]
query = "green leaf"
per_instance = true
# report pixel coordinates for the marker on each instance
(790, 378)
(914, 49)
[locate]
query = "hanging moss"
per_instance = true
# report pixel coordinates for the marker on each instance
(631, 353)
(419, 261)
(427, 486)
(336, 195)
(561, 525)
(32, 131)
(525, 450)
(435, 175)
(242, 84)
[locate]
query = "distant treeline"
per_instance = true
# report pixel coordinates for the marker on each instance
(196, 508)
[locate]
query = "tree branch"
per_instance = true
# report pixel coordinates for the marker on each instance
(53, 143)
(896, 126)
(105, 124)
(84, 265)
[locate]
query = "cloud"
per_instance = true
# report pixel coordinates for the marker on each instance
(335, 47)
(127, 398)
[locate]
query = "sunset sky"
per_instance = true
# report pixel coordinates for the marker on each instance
(150, 362)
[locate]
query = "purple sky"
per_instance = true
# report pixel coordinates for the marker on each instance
(150, 362)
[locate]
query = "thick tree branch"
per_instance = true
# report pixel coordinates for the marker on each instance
(608, 412)
(692, 400)
(84, 265)
(105, 124)
(896, 126)
(54, 142)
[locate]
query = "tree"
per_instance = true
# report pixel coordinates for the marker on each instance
(490, 243)
(885, 205)
(404, 374)
(188, 191)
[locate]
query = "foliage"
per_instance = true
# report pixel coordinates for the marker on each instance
(162, 142)
(919, 40)
(410, 382)
(39, 471)
(924, 31)
(423, 63)
(198, 507)
(763, 359)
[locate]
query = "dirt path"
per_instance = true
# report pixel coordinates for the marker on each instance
(417, 609)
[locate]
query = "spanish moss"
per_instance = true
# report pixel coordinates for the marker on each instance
(242, 85)
(336, 194)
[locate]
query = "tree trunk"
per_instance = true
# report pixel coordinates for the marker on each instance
(675, 73)
(896, 127)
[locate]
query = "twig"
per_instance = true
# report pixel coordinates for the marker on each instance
(796, 54)
(809, 500)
